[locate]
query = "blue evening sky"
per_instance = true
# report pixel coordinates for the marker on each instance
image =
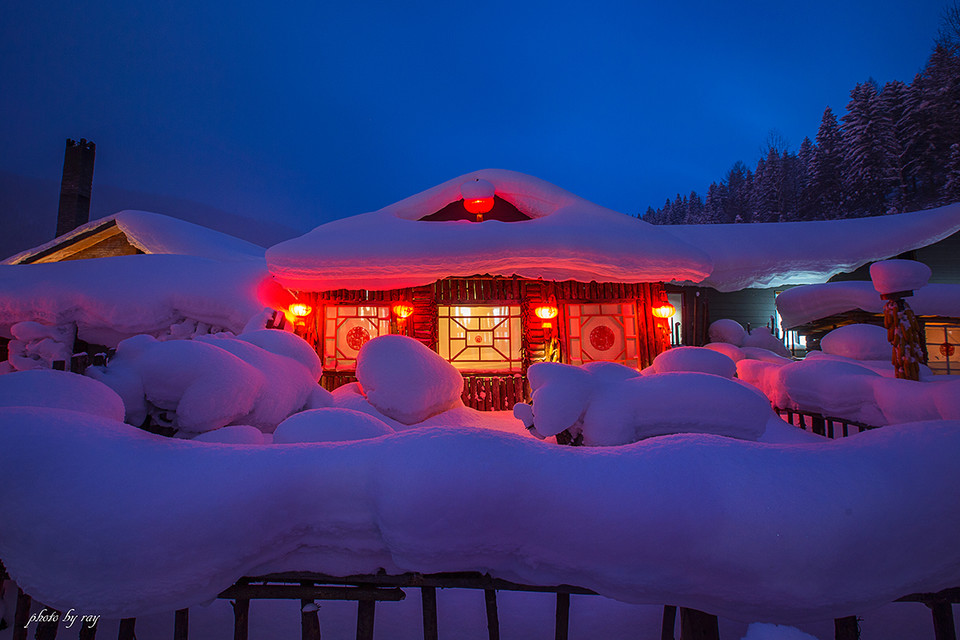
(302, 112)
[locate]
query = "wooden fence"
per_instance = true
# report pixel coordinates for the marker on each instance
(821, 425)
(368, 590)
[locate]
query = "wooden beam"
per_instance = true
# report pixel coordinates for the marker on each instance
(428, 600)
(493, 618)
(846, 628)
(669, 622)
(241, 616)
(697, 625)
(562, 630)
(366, 613)
(181, 624)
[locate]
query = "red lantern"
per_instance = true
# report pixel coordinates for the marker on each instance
(477, 197)
(665, 310)
(403, 310)
(478, 205)
(547, 311)
(300, 310)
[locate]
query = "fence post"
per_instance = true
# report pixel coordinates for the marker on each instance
(697, 625)
(669, 622)
(366, 612)
(846, 628)
(181, 624)
(48, 630)
(943, 626)
(22, 615)
(493, 619)
(562, 630)
(241, 614)
(428, 600)
(127, 629)
(309, 619)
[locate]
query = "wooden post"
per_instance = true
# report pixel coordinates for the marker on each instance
(943, 626)
(309, 619)
(241, 616)
(697, 625)
(563, 616)
(127, 631)
(428, 599)
(181, 624)
(366, 612)
(88, 632)
(818, 426)
(669, 622)
(22, 615)
(846, 628)
(48, 630)
(493, 619)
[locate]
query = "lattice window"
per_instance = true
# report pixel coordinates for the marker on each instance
(481, 338)
(943, 348)
(346, 329)
(602, 332)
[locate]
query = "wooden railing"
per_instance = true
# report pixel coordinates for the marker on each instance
(821, 425)
(367, 590)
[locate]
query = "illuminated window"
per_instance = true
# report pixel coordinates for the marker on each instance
(602, 332)
(481, 338)
(346, 329)
(943, 348)
(676, 320)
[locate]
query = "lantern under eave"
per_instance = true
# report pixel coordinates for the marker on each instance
(477, 197)
(664, 310)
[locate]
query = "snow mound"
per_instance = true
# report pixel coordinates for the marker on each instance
(893, 276)
(234, 434)
(319, 398)
(858, 342)
(753, 515)
(60, 390)
(329, 425)
(762, 338)
(405, 380)
(730, 350)
(38, 346)
(204, 384)
(766, 631)
(284, 343)
(727, 330)
(697, 359)
(609, 412)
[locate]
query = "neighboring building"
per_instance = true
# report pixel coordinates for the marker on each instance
(753, 263)
(540, 275)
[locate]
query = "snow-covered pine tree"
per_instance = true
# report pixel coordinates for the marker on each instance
(695, 212)
(869, 152)
(825, 181)
(805, 203)
(951, 188)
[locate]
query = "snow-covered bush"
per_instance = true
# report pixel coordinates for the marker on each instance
(329, 425)
(695, 359)
(60, 390)
(762, 338)
(407, 381)
(857, 341)
(38, 346)
(233, 434)
(731, 351)
(727, 330)
(610, 412)
(203, 384)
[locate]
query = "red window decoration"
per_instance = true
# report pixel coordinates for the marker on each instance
(346, 329)
(602, 332)
(481, 338)
(942, 342)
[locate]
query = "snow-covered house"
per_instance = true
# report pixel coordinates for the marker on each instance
(494, 270)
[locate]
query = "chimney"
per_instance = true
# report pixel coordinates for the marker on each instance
(75, 186)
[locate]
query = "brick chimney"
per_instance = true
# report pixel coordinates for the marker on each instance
(76, 185)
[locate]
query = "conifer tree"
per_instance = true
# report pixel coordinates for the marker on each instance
(826, 185)
(868, 150)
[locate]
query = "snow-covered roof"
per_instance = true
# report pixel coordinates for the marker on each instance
(566, 238)
(155, 233)
(113, 298)
(772, 254)
(801, 305)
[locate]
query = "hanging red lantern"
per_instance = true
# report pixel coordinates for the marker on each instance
(403, 310)
(300, 310)
(477, 197)
(547, 311)
(664, 310)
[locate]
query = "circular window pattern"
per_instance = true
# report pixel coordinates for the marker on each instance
(602, 338)
(947, 349)
(357, 337)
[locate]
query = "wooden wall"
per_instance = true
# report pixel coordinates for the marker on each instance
(484, 390)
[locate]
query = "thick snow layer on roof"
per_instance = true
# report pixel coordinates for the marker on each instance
(157, 233)
(801, 305)
(567, 238)
(113, 298)
(762, 255)
(746, 530)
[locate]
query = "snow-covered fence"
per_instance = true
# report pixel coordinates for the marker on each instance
(820, 424)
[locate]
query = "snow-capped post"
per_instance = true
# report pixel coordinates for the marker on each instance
(896, 280)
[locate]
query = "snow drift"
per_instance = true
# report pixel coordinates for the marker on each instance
(750, 531)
